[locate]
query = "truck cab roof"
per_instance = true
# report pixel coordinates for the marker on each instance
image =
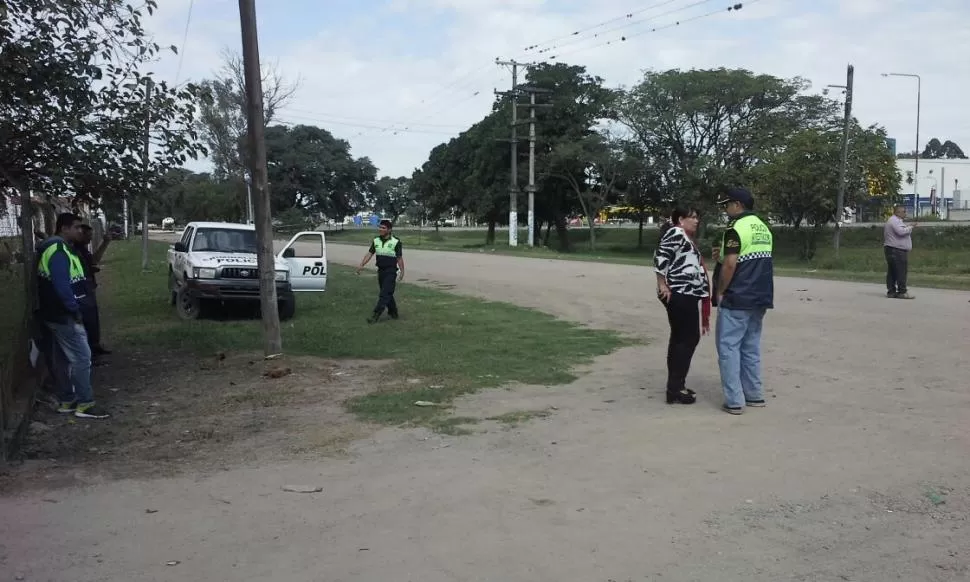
(232, 225)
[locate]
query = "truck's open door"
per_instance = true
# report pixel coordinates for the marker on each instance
(306, 256)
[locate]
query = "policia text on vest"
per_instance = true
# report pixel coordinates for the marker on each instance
(389, 253)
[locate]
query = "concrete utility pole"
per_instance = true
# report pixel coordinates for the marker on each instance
(531, 188)
(514, 142)
(149, 86)
(265, 257)
(847, 123)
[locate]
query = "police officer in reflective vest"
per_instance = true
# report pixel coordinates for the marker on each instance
(744, 283)
(390, 269)
(61, 288)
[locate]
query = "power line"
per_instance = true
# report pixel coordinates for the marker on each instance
(628, 15)
(622, 26)
(624, 38)
(185, 38)
(366, 126)
(314, 116)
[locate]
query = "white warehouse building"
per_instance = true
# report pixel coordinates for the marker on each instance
(948, 180)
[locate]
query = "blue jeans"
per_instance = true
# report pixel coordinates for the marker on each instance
(738, 339)
(70, 350)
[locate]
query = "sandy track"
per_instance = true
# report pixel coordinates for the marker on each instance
(857, 470)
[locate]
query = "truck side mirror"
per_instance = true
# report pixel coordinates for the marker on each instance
(289, 253)
(179, 247)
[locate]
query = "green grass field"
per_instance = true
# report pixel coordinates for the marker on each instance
(454, 345)
(939, 259)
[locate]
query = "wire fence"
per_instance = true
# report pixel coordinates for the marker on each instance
(16, 307)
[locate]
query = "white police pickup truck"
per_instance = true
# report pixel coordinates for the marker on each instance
(216, 262)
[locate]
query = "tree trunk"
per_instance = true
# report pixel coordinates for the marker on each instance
(640, 219)
(563, 233)
(592, 232)
(545, 240)
(537, 230)
(490, 234)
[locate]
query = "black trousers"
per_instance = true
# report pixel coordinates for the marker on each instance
(683, 313)
(897, 269)
(91, 319)
(387, 280)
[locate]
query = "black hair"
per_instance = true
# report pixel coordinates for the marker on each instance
(64, 220)
(387, 223)
(675, 215)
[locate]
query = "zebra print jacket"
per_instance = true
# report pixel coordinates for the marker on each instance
(679, 261)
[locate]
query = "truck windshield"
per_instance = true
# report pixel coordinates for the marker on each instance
(224, 240)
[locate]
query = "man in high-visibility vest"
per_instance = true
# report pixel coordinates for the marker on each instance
(61, 287)
(744, 283)
(390, 269)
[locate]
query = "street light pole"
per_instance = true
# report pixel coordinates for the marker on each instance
(919, 93)
(846, 124)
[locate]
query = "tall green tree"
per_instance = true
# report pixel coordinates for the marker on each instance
(73, 100)
(715, 125)
(798, 184)
(186, 196)
(393, 196)
(311, 170)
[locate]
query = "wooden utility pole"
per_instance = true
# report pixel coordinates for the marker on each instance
(146, 161)
(265, 257)
(531, 188)
(514, 143)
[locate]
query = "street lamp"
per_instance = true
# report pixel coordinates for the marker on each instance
(847, 122)
(919, 83)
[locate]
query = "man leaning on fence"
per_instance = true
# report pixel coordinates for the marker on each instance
(61, 288)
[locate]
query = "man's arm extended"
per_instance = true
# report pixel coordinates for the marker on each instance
(400, 261)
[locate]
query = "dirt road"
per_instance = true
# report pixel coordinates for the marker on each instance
(857, 470)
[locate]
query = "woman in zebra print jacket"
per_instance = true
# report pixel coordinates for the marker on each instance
(685, 290)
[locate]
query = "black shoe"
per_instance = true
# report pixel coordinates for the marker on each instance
(682, 397)
(374, 318)
(891, 295)
(100, 351)
(755, 403)
(394, 315)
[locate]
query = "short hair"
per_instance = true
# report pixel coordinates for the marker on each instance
(86, 227)
(898, 206)
(64, 220)
(387, 223)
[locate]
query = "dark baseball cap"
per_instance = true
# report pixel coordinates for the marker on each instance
(737, 195)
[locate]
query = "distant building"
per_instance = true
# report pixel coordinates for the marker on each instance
(944, 179)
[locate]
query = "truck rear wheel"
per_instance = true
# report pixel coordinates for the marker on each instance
(287, 308)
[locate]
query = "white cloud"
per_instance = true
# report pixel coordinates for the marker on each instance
(350, 79)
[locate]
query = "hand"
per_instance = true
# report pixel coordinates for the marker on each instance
(400, 276)
(663, 290)
(716, 254)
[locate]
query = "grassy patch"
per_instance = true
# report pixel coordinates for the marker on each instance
(444, 345)
(518, 417)
(939, 258)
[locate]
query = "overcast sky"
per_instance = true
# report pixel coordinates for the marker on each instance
(397, 77)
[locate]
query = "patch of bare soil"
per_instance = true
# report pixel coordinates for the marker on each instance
(182, 414)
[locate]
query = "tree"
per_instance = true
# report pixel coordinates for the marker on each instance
(942, 151)
(799, 183)
(223, 121)
(73, 100)
(186, 196)
(393, 196)
(591, 167)
(713, 126)
(311, 170)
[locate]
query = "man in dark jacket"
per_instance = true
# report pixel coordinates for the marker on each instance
(89, 305)
(61, 287)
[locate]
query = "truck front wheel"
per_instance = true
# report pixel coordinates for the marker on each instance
(188, 306)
